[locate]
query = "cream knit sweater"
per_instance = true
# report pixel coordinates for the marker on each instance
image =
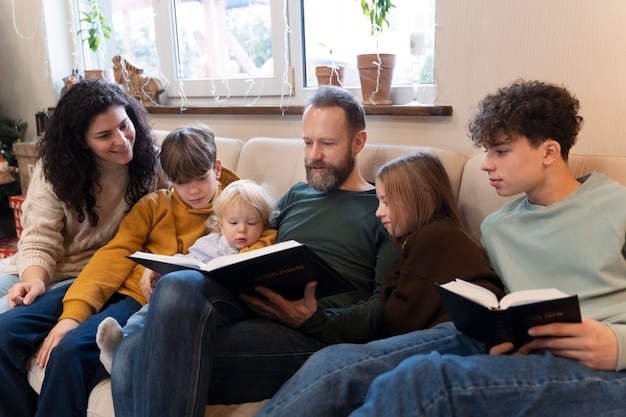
(54, 239)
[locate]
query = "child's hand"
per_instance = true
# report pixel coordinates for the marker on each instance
(148, 281)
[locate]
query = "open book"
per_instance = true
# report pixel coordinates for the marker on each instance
(285, 267)
(476, 311)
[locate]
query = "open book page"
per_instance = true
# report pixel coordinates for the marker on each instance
(225, 260)
(530, 296)
(184, 261)
(473, 292)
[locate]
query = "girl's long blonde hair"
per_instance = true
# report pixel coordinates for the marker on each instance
(419, 191)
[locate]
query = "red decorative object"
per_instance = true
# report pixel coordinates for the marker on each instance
(8, 246)
(15, 202)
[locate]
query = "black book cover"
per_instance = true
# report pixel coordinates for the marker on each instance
(494, 326)
(284, 267)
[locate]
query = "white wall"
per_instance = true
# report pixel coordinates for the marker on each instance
(480, 46)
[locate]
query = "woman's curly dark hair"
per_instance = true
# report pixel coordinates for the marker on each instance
(70, 167)
(533, 109)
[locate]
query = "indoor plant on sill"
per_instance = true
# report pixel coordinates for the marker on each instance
(330, 74)
(376, 70)
(96, 28)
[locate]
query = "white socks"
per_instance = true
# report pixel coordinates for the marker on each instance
(108, 337)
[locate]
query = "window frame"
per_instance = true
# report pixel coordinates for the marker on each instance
(286, 87)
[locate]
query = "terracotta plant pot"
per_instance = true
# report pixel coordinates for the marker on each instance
(375, 84)
(101, 74)
(327, 75)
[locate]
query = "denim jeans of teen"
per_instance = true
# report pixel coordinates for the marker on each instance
(341, 374)
(200, 345)
(539, 385)
(442, 372)
(74, 366)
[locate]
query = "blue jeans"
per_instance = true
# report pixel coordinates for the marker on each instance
(136, 321)
(199, 345)
(442, 372)
(74, 366)
(6, 282)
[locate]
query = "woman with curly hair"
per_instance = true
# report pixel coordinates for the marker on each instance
(96, 160)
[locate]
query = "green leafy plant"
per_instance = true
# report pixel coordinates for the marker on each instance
(377, 11)
(95, 24)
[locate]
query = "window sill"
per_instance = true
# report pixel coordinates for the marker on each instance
(378, 110)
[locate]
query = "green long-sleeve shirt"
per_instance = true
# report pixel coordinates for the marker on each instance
(342, 228)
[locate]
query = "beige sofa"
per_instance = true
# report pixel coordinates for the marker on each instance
(279, 164)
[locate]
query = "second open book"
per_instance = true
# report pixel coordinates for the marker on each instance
(476, 311)
(285, 267)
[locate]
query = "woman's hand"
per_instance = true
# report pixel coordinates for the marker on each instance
(24, 293)
(54, 337)
(591, 343)
(275, 307)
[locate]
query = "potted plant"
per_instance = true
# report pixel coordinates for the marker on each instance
(94, 29)
(376, 70)
(330, 74)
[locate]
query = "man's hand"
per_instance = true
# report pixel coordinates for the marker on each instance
(591, 343)
(275, 307)
(148, 281)
(54, 337)
(24, 293)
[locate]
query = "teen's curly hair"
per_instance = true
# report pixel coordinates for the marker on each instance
(70, 167)
(534, 109)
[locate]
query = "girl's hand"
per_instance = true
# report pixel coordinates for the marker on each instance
(54, 337)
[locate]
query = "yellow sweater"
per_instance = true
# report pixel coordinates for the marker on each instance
(159, 223)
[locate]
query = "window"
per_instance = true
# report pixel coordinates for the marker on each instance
(224, 49)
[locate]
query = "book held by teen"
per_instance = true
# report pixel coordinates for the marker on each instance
(476, 311)
(285, 267)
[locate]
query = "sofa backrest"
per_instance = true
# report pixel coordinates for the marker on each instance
(477, 198)
(279, 163)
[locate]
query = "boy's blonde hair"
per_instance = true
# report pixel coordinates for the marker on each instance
(188, 152)
(243, 192)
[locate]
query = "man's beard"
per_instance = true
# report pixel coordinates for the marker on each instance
(334, 176)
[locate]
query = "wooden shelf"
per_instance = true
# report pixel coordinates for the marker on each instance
(379, 110)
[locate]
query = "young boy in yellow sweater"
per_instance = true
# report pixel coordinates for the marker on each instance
(60, 326)
(241, 219)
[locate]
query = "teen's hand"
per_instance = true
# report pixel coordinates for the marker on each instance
(148, 281)
(275, 307)
(54, 337)
(24, 293)
(591, 343)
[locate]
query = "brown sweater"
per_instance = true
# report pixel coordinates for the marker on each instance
(439, 252)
